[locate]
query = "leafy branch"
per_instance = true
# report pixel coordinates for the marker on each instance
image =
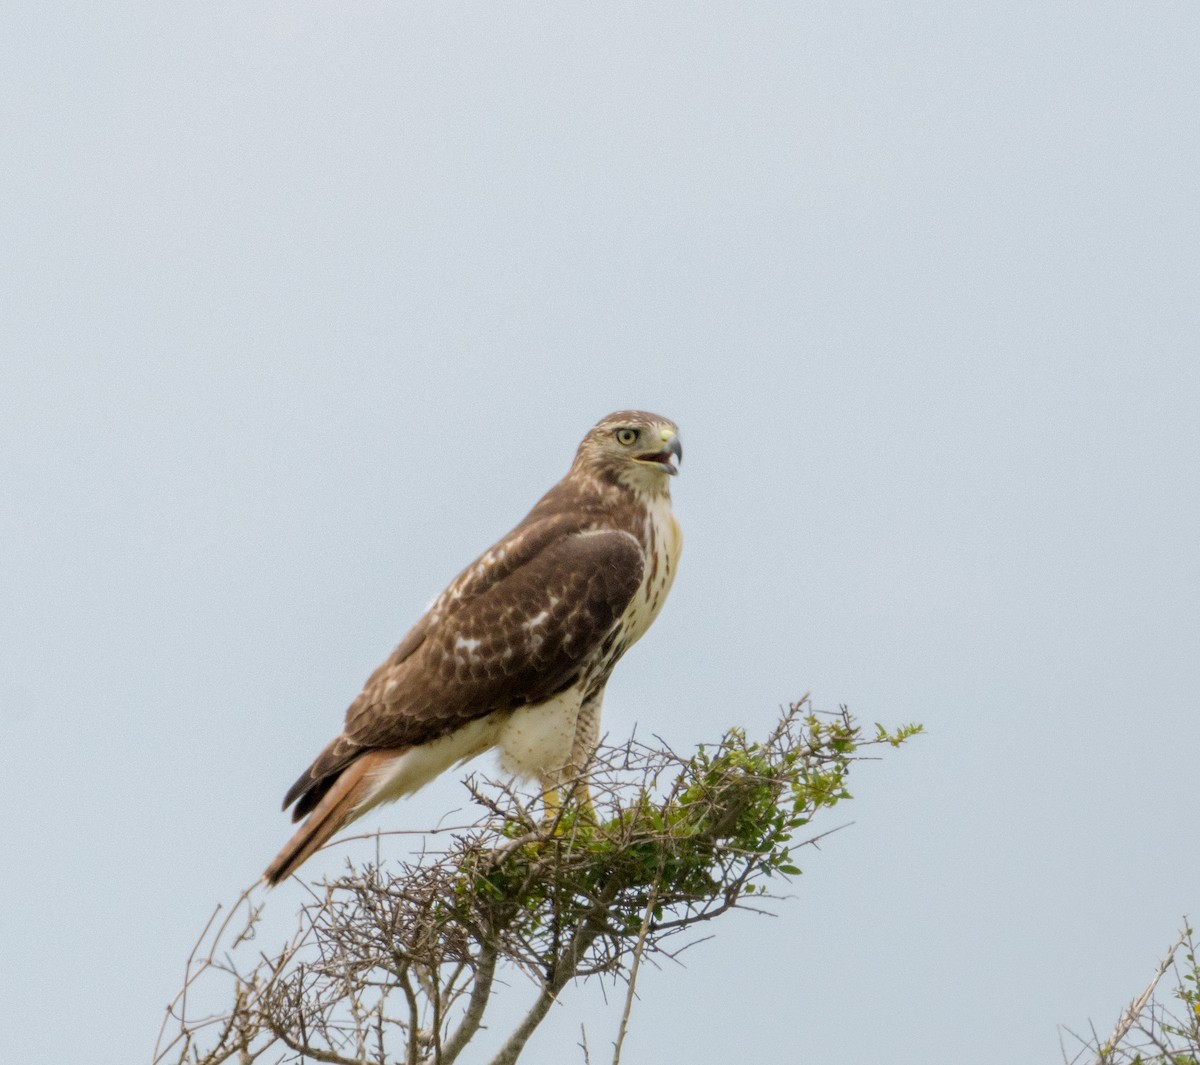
(399, 966)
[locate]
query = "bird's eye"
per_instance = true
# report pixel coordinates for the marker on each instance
(627, 436)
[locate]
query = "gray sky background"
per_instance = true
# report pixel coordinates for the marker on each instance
(305, 304)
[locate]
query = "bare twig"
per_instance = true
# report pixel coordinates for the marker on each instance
(1134, 1010)
(1151, 1031)
(481, 993)
(638, 951)
(676, 842)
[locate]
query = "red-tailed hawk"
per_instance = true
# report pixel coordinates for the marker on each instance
(516, 652)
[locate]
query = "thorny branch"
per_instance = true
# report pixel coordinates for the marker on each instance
(1149, 1031)
(397, 962)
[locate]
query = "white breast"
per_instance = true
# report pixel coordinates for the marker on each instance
(665, 542)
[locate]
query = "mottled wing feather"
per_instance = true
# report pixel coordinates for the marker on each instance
(517, 549)
(522, 627)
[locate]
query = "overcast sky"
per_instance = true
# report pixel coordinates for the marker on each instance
(305, 304)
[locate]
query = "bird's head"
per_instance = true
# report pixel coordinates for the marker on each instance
(634, 449)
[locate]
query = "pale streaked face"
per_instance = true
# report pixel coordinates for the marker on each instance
(635, 448)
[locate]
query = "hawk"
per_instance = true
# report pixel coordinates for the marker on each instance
(515, 653)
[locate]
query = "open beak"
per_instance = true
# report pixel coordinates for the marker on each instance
(668, 457)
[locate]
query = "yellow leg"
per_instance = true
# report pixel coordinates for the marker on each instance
(582, 795)
(553, 801)
(552, 798)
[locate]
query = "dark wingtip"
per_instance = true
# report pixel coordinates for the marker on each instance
(306, 793)
(303, 783)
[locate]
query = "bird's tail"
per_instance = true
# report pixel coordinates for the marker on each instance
(341, 804)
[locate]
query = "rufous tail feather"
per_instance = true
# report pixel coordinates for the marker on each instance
(337, 808)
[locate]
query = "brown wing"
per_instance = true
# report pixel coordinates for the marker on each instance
(522, 628)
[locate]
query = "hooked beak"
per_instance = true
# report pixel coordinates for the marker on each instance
(671, 448)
